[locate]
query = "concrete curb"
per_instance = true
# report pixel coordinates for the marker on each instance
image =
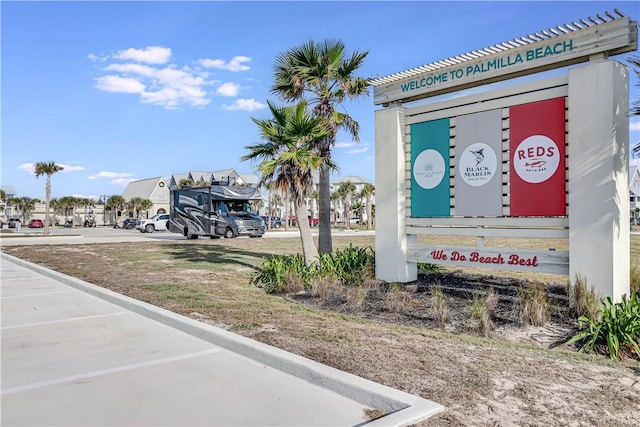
(401, 408)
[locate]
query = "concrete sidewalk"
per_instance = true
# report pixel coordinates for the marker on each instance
(75, 354)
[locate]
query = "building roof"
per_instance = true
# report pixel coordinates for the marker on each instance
(352, 178)
(142, 188)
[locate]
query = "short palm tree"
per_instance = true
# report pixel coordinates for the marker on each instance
(288, 158)
(367, 193)
(48, 169)
(326, 73)
(114, 204)
(346, 190)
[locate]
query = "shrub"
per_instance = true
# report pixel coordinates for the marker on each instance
(533, 305)
(276, 272)
(439, 306)
(617, 326)
(429, 268)
(352, 265)
(583, 300)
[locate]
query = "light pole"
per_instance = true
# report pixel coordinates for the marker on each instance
(104, 209)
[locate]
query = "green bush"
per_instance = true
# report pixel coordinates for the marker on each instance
(350, 266)
(616, 326)
(275, 272)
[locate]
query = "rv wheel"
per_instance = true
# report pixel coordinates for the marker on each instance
(190, 235)
(228, 233)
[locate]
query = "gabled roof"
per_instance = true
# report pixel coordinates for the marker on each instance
(352, 178)
(142, 188)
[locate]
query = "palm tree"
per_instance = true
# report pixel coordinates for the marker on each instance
(288, 159)
(185, 182)
(47, 168)
(367, 192)
(145, 205)
(346, 191)
(325, 72)
(114, 204)
(25, 205)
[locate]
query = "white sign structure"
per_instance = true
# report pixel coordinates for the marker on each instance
(588, 159)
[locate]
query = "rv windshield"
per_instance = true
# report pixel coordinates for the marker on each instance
(239, 207)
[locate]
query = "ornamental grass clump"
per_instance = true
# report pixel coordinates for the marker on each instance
(397, 299)
(584, 300)
(533, 305)
(482, 312)
(617, 326)
(439, 307)
(278, 273)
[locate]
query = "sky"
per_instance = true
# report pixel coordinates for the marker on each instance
(120, 91)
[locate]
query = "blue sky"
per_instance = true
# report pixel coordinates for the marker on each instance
(120, 91)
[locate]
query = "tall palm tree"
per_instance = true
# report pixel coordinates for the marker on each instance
(325, 73)
(145, 205)
(48, 169)
(346, 191)
(288, 159)
(367, 193)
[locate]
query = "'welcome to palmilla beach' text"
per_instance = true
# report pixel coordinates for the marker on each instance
(486, 66)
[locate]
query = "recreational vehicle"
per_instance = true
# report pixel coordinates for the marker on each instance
(216, 210)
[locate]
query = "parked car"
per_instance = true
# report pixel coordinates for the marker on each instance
(36, 223)
(313, 222)
(12, 222)
(155, 223)
(275, 221)
(130, 223)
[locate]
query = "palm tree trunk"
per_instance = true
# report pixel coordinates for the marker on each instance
(309, 250)
(325, 245)
(47, 202)
(369, 219)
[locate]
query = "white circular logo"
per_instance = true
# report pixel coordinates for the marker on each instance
(536, 159)
(477, 164)
(428, 169)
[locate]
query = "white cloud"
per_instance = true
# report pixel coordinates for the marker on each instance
(369, 158)
(109, 175)
(149, 74)
(28, 167)
(122, 181)
(345, 144)
(358, 150)
(228, 89)
(634, 125)
(245, 104)
(70, 168)
(119, 84)
(143, 70)
(148, 55)
(236, 63)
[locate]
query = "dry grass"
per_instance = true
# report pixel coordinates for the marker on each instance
(533, 305)
(397, 299)
(439, 307)
(482, 313)
(583, 299)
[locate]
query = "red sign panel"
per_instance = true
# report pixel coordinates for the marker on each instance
(537, 150)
